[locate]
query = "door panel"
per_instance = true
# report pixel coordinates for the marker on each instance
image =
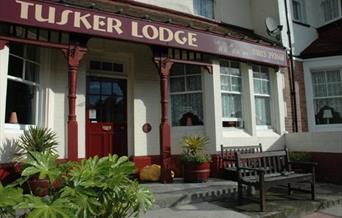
(106, 130)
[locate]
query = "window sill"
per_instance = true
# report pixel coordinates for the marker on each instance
(327, 127)
(266, 133)
(234, 133)
(16, 128)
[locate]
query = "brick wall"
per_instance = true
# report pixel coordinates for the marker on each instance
(300, 98)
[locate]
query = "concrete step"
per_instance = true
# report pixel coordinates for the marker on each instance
(179, 193)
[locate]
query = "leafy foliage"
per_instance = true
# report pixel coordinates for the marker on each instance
(9, 197)
(36, 139)
(95, 187)
(101, 188)
(193, 149)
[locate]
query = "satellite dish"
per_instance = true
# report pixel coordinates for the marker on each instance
(273, 28)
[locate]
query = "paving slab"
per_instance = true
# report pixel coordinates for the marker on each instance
(217, 198)
(198, 210)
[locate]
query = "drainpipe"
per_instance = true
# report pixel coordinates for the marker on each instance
(292, 77)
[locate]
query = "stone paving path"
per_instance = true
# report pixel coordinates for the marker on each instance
(218, 198)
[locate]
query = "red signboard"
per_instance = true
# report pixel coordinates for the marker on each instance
(103, 24)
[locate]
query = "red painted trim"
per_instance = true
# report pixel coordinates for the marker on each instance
(34, 42)
(165, 130)
(74, 54)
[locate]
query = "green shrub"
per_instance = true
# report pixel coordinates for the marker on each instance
(193, 149)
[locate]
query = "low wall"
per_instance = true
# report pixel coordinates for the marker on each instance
(324, 148)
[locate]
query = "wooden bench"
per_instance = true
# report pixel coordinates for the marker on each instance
(228, 158)
(267, 169)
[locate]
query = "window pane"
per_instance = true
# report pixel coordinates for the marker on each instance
(318, 77)
(106, 88)
(24, 104)
(192, 69)
(296, 10)
(177, 69)
(257, 86)
(204, 8)
(328, 111)
(32, 53)
(15, 67)
(231, 106)
(266, 87)
(330, 9)
(194, 83)
(94, 87)
(187, 109)
(236, 84)
(225, 83)
(16, 49)
(31, 72)
(263, 112)
(177, 84)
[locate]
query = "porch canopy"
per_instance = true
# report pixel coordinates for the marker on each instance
(133, 22)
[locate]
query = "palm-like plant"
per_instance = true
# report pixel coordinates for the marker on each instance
(36, 139)
(193, 149)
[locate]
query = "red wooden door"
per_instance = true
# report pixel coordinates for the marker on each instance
(106, 128)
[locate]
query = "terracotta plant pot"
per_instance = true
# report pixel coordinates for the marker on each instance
(40, 187)
(196, 172)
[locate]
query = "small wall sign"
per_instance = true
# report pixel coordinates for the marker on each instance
(147, 128)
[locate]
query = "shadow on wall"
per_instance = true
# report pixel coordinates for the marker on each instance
(278, 144)
(8, 151)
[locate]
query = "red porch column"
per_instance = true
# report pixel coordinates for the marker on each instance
(165, 132)
(3, 43)
(74, 54)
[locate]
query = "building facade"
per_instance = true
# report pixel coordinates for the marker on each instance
(134, 77)
(317, 33)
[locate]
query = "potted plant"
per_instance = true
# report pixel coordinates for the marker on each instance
(195, 161)
(37, 153)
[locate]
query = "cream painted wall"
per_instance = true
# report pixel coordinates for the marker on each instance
(4, 55)
(234, 12)
(315, 141)
(183, 6)
(261, 9)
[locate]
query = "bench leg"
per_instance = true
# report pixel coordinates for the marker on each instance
(262, 198)
(313, 184)
(240, 193)
(289, 191)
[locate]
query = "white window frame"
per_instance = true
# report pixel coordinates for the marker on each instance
(184, 93)
(229, 62)
(262, 95)
(323, 14)
(301, 12)
(326, 83)
(318, 64)
(15, 127)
